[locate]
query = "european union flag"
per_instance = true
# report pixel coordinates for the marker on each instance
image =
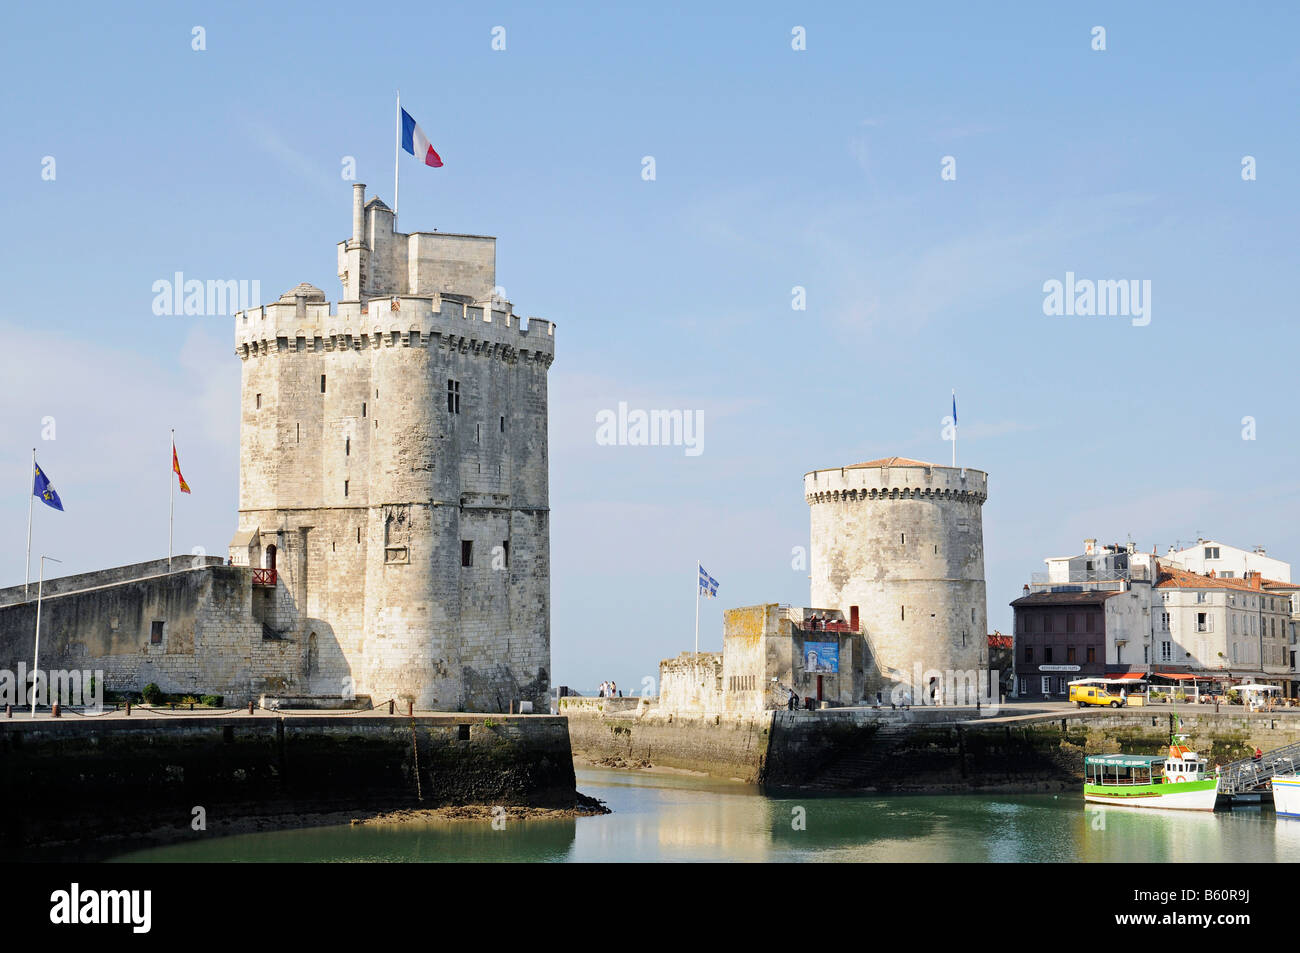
(43, 488)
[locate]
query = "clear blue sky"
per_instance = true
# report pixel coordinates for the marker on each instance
(775, 168)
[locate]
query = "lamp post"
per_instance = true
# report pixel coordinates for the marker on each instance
(36, 652)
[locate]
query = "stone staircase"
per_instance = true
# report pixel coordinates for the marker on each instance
(864, 767)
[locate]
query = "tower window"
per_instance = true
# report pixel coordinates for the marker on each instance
(259, 401)
(322, 383)
(503, 425)
(345, 487)
(156, 631)
(902, 613)
(453, 397)
(505, 549)
(478, 432)
(363, 409)
(298, 431)
(358, 535)
(467, 552)
(347, 446)
(902, 537)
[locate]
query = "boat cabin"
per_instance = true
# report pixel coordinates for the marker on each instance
(1123, 769)
(1184, 764)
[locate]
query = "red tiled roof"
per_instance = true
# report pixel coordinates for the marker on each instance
(890, 462)
(1171, 577)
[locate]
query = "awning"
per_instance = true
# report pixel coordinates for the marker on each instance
(1130, 677)
(1183, 676)
(1109, 680)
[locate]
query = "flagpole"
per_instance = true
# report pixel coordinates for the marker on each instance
(954, 428)
(27, 571)
(698, 568)
(36, 652)
(397, 154)
(171, 505)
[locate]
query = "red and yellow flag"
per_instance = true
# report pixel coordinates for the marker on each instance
(176, 467)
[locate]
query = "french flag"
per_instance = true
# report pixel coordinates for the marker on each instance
(417, 143)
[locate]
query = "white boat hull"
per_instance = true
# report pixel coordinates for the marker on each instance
(1286, 796)
(1204, 800)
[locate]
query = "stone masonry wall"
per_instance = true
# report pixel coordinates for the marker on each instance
(212, 642)
(904, 544)
(427, 435)
(75, 779)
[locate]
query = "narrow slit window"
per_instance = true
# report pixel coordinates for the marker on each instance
(322, 383)
(345, 487)
(467, 552)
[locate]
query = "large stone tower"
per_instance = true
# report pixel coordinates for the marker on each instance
(898, 545)
(393, 471)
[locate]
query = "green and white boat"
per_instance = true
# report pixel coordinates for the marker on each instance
(1178, 781)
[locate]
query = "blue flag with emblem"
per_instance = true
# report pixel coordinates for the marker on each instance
(708, 585)
(43, 488)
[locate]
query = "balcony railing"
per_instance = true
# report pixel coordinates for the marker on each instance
(264, 577)
(1077, 576)
(809, 626)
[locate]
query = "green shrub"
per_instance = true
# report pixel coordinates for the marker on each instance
(151, 694)
(212, 701)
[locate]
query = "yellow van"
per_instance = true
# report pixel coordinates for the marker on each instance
(1094, 695)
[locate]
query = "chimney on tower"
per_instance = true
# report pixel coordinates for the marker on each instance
(358, 211)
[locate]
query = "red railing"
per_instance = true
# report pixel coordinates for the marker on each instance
(264, 577)
(810, 626)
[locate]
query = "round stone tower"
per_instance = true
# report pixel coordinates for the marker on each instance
(899, 545)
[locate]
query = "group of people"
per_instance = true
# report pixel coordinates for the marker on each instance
(819, 621)
(609, 689)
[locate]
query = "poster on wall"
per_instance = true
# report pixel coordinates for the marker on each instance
(821, 658)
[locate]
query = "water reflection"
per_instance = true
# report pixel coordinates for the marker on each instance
(673, 817)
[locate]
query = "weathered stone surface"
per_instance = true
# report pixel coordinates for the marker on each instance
(83, 779)
(904, 543)
(376, 442)
(393, 472)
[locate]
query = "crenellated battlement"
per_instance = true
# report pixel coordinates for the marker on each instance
(443, 321)
(906, 480)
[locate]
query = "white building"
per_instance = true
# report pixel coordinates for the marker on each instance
(1212, 625)
(1228, 562)
(1156, 616)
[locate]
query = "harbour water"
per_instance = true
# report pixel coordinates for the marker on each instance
(682, 818)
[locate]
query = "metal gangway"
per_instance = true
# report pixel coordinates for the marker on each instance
(1249, 776)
